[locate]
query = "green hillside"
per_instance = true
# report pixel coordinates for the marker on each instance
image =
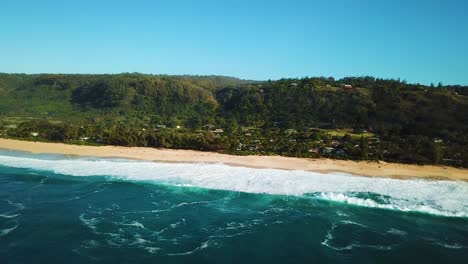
(310, 117)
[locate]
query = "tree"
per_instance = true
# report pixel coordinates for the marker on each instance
(364, 147)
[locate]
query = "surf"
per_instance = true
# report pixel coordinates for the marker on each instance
(435, 197)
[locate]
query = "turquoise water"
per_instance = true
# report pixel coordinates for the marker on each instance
(56, 209)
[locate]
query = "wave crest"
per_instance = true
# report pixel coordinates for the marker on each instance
(443, 198)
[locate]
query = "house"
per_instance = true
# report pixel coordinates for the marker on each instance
(178, 127)
(84, 138)
(34, 134)
(313, 150)
(252, 148)
(290, 131)
(293, 85)
(248, 134)
(209, 126)
(438, 140)
(218, 130)
(328, 150)
(161, 126)
(335, 143)
(347, 87)
(239, 148)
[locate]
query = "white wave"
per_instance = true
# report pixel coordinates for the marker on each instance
(6, 231)
(135, 224)
(445, 198)
(395, 231)
(9, 216)
(355, 245)
(201, 247)
(347, 222)
(91, 222)
(394, 204)
(91, 244)
(451, 246)
(18, 206)
(152, 250)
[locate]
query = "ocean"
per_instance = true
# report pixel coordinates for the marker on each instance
(59, 209)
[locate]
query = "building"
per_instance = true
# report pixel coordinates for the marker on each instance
(328, 150)
(209, 126)
(347, 87)
(290, 131)
(218, 130)
(314, 150)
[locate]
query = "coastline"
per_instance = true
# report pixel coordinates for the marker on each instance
(361, 168)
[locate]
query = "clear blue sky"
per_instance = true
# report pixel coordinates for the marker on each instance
(417, 40)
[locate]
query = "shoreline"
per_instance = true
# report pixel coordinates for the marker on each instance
(360, 168)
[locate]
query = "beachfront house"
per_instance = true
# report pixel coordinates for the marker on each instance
(347, 87)
(335, 143)
(252, 148)
(328, 150)
(239, 148)
(34, 134)
(314, 150)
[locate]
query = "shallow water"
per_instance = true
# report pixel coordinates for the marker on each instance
(55, 209)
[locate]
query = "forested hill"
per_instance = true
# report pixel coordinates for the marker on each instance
(425, 124)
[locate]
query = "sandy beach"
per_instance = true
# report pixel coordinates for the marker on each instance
(370, 169)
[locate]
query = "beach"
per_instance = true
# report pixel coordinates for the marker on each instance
(362, 168)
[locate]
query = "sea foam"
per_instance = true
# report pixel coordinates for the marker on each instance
(444, 198)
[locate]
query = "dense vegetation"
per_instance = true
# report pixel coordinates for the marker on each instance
(350, 118)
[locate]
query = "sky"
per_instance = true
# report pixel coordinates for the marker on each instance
(420, 41)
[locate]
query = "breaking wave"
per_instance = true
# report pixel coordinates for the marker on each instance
(443, 198)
